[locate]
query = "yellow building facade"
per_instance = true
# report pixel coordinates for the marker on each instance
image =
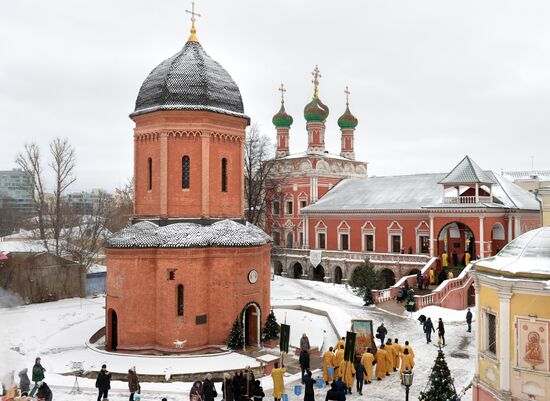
(513, 321)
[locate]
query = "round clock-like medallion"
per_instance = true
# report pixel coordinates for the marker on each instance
(252, 276)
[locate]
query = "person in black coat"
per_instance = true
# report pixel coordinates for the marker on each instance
(309, 382)
(238, 386)
(44, 392)
(428, 329)
(208, 388)
(419, 280)
(304, 363)
(469, 320)
(103, 383)
(258, 391)
(381, 333)
(227, 388)
(441, 330)
(360, 373)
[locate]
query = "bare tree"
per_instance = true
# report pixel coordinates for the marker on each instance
(258, 174)
(50, 215)
(123, 206)
(63, 163)
(30, 161)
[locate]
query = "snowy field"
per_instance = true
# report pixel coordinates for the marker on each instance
(57, 331)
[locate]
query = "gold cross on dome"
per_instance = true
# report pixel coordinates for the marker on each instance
(193, 36)
(347, 92)
(282, 90)
(316, 75)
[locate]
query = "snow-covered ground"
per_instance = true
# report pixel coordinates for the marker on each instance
(57, 331)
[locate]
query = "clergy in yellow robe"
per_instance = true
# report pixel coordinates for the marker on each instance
(407, 362)
(467, 258)
(338, 359)
(407, 346)
(391, 356)
(444, 260)
(277, 375)
(432, 277)
(348, 371)
(366, 360)
(381, 363)
(341, 341)
(450, 275)
(397, 348)
(328, 360)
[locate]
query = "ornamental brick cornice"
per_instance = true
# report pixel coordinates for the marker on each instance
(148, 136)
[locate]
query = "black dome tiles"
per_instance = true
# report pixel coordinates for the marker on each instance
(189, 80)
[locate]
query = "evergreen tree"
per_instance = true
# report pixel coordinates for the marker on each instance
(440, 386)
(410, 304)
(272, 328)
(236, 337)
(364, 279)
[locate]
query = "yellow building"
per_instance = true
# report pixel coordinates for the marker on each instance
(538, 182)
(513, 321)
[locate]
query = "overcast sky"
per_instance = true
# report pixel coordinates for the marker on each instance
(431, 81)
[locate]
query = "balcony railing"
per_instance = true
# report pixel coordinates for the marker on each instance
(357, 256)
(458, 200)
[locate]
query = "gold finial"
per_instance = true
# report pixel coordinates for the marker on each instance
(347, 92)
(316, 75)
(282, 90)
(193, 36)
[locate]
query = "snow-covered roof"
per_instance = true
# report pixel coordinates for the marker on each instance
(95, 268)
(467, 172)
(225, 233)
(413, 192)
(308, 154)
(528, 255)
(34, 246)
(541, 175)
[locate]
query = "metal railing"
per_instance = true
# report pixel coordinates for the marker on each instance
(356, 256)
(455, 200)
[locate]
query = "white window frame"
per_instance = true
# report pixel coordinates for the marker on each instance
(273, 231)
(344, 229)
(422, 229)
(302, 198)
(485, 339)
(320, 228)
(273, 207)
(395, 232)
(288, 198)
(368, 229)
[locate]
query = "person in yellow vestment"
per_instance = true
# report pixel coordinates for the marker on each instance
(348, 372)
(381, 363)
(407, 362)
(444, 260)
(407, 346)
(341, 341)
(467, 258)
(398, 350)
(366, 360)
(277, 374)
(391, 355)
(338, 358)
(328, 360)
(432, 277)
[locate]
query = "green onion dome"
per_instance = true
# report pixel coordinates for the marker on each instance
(316, 111)
(347, 120)
(282, 119)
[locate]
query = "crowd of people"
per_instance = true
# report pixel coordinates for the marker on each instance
(23, 391)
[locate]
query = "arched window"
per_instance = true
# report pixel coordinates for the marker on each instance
(150, 170)
(185, 170)
(224, 175)
(180, 300)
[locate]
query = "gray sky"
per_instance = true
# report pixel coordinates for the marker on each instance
(431, 81)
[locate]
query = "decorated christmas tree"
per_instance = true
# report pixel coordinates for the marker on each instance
(272, 328)
(236, 337)
(440, 386)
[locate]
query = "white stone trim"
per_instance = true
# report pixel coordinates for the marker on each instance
(343, 229)
(320, 228)
(368, 229)
(397, 232)
(422, 229)
(504, 336)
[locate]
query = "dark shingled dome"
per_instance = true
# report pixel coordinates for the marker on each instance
(189, 80)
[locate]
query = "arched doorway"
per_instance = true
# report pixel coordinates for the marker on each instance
(338, 275)
(456, 238)
(389, 277)
(251, 324)
(298, 271)
(277, 268)
(471, 296)
(498, 238)
(113, 334)
(318, 273)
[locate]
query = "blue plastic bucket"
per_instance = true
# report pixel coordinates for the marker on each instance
(320, 382)
(284, 397)
(297, 390)
(330, 370)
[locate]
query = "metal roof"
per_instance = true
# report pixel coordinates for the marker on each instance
(467, 172)
(189, 80)
(225, 233)
(413, 192)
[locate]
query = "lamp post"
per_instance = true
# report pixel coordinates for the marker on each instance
(407, 381)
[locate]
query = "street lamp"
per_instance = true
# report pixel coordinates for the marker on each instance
(407, 381)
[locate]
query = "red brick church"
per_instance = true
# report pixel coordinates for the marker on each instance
(188, 265)
(327, 202)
